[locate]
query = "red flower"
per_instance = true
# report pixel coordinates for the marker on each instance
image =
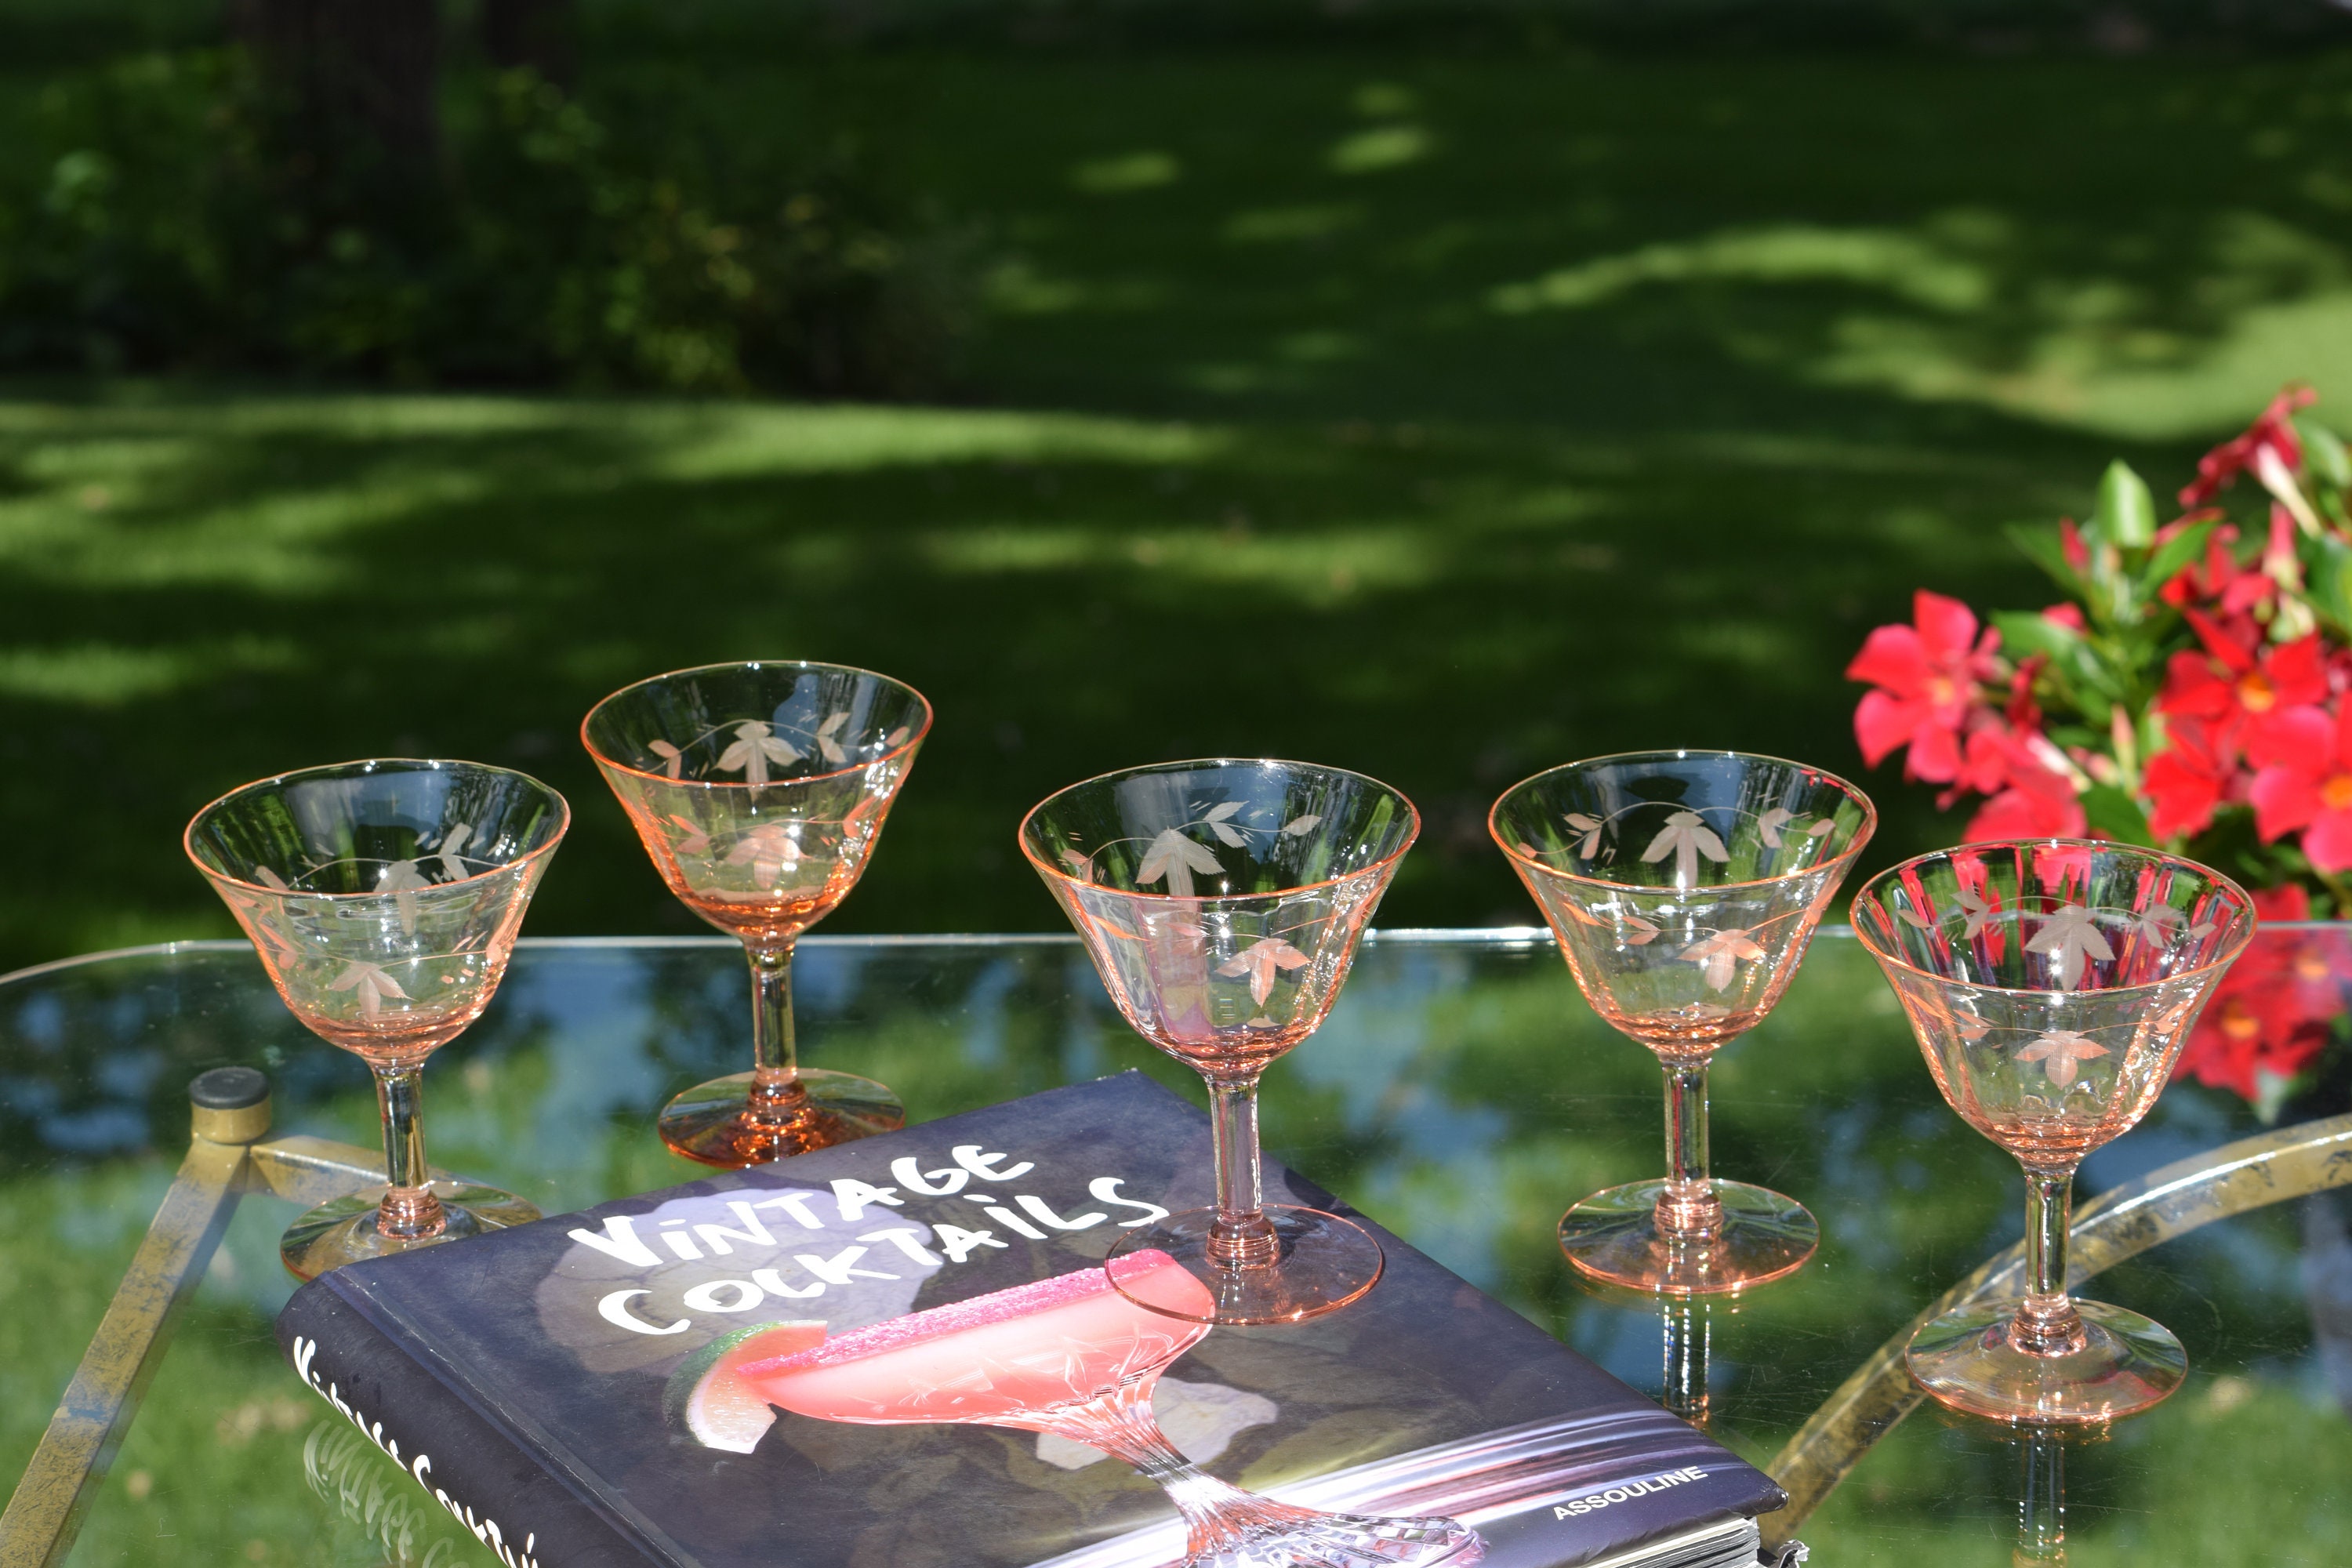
(2191, 777)
(2274, 433)
(2229, 683)
(2272, 1014)
(2305, 782)
(1927, 675)
(2030, 798)
(2291, 902)
(2219, 577)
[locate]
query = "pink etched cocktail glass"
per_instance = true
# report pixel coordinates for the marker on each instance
(1221, 902)
(759, 790)
(384, 897)
(2052, 984)
(1683, 888)
(1078, 1356)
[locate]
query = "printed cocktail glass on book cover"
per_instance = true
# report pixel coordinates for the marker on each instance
(1683, 888)
(1074, 1358)
(384, 897)
(909, 1350)
(1221, 902)
(2052, 985)
(759, 791)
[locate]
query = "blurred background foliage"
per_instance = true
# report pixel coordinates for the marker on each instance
(1444, 390)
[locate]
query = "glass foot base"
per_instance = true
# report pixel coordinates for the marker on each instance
(1317, 1263)
(1613, 1236)
(1345, 1541)
(345, 1231)
(714, 1122)
(2128, 1363)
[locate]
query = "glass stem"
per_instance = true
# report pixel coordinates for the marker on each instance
(1218, 1518)
(2041, 1500)
(2046, 1322)
(409, 1208)
(1689, 1325)
(1240, 1236)
(1688, 1208)
(776, 1088)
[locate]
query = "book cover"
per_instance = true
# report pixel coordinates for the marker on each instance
(649, 1381)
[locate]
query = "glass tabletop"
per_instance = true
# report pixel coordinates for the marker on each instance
(1461, 1094)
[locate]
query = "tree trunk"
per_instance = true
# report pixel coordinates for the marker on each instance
(363, 77)
(533, 32)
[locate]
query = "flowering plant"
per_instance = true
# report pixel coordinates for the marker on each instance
(2193, 691)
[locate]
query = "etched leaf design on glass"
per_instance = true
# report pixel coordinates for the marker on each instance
(896, 737)
(1685, 836)
(1080, 865)
(1979, 909)
(1636, 930)
(1821, 830)
(401, 880)
(1718, 955)
(673, 760)
(1176, 857)
(770, 850)
(1914, 918)
(1260, 961)
(371, 983)
(1225, 831)
(269, 879)
(1591, 827)
(2059, 1052)
(448, 852)
(1102, 923)
(756, 746)
(1300, 827)
(827, 746)
(1970, 1028)
(693, 838)
(1768, 825)
(2069, 933)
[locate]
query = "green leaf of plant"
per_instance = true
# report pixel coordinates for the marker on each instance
(2126, 511)
(2324, 454)
(2029, 632)
(2112, 812)
(2327, 580)
(2042, 546)
(2173, 555)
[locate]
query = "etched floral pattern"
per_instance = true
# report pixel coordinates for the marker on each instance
(1682, 919)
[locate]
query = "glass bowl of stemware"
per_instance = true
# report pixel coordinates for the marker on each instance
(1683, 888)
(384, 897)
(2052, 984)
(759, 791)
(1221, 902)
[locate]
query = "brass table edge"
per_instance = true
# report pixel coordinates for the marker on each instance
(2119, 1224)
(223, 1163)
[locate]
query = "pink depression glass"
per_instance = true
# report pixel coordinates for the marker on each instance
(759, 790)
(1221, 902)
(2052, 984)
(384, 897)
(1683, 888)
(1079, 1357)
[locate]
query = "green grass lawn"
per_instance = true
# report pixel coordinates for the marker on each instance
(1441, 417)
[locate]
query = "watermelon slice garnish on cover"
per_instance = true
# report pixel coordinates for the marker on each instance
(717, 1407)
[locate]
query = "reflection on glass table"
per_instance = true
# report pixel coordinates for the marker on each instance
(1460, 1093)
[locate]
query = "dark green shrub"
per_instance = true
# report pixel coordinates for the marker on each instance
(176, 220)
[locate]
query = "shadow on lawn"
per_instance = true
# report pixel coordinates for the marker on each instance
(204, 591)
(1468, 416)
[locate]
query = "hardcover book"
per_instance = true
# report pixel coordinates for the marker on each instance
(893, 1352)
